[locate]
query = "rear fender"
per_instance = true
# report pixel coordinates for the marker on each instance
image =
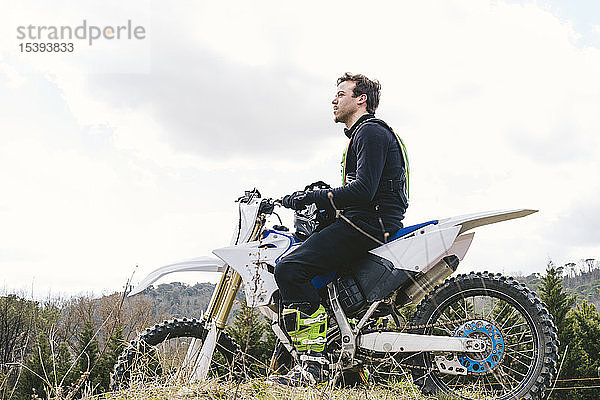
(470, 221)
(422, 249)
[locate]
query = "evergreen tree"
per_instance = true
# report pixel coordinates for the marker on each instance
(255, 337)
(87, 351)
(115, 346)
(34, 378)
(578, 329)
(47, 371)
(582, 359)
(18, 330)
(558, 301)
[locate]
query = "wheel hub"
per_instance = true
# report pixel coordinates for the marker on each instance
(483, 362)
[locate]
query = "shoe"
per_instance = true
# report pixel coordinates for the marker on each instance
(311, 371)
(307, 332)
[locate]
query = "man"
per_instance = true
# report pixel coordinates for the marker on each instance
(374, 198)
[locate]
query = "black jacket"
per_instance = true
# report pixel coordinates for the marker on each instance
(375, 177)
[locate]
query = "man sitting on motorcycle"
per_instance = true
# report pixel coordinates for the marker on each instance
(374, 198)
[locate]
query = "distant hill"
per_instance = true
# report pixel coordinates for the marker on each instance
(584, 285)
(181, 300)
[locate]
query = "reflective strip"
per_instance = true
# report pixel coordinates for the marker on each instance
(406, 164)
(320, 340)
(321, 360)
(312, 321)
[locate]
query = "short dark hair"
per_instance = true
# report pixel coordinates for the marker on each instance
(372, 88)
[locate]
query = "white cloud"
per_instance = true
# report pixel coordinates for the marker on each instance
(497, 105)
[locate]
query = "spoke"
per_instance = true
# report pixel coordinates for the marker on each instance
(464, 307)
(447, 330)
(492, 384)
(502, 311)
(495, 303)
(446, 320)
(484, 388)
(519, 361)
(518, 344)
(508, 318)
(514, 335)
(510, 342)
(454, 311)
(503, 379)
(453, 379)
(505, 384)
(473, 313)
(514, 371)
(516, 326)
(523, 353)
(411, 356)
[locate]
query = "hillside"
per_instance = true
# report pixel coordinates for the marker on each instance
(585, 285)
(179, 299)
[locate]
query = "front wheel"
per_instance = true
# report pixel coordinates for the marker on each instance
(520, 356)
(162, 351)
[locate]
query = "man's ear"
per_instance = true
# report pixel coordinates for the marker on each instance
(362, 99)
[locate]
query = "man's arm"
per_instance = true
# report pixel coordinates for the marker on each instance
(371, 145)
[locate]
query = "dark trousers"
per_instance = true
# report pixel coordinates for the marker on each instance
(333, 248)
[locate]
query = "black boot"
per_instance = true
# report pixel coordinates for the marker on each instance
(312, 369)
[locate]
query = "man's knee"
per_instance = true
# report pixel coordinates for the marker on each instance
(284, 273)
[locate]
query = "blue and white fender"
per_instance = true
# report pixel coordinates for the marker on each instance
(420, 249)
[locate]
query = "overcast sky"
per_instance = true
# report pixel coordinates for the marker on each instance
(131, 152)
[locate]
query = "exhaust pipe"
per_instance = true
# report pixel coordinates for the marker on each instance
(424, 283)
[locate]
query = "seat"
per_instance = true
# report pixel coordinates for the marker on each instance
(409, 229)
(322, 280)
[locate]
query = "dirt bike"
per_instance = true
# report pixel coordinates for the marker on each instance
(479, 335)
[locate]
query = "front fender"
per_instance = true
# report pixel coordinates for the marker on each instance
(205, 264)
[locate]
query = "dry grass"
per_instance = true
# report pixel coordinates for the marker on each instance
(258, 390)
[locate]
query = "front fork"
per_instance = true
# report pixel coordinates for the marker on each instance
(223, 297)
(200, 352)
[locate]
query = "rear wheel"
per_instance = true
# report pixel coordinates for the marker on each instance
(520, 357)
(160, 352)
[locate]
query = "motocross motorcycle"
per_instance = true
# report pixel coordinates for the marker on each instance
(474, 336)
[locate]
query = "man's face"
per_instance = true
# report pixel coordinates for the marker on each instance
(344, 104)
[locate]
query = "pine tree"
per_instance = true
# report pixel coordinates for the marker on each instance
(558, 301)
(87, 350)
(255, 337)
(115, 345)
(34, 378)
(18, 323)
(582, 358)
(47, 371)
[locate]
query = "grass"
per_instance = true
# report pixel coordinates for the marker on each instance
(258, 390)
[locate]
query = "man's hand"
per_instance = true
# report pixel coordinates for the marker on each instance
(317, 185)
(295, 201)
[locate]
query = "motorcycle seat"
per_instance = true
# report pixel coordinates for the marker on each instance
(410, 229)
(321, 281)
